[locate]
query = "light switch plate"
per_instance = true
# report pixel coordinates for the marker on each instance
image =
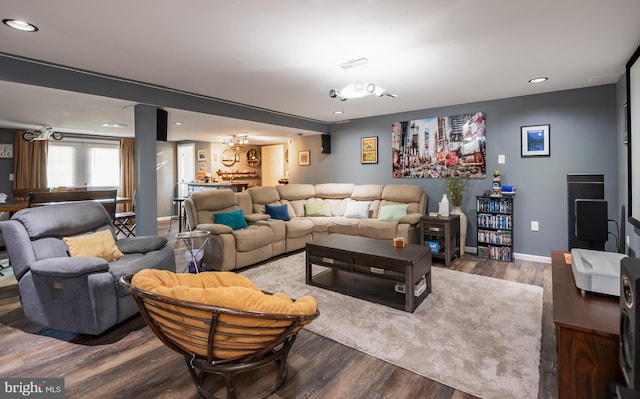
(501, 159)
(534, 225)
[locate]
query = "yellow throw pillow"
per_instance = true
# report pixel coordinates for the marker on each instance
(96, 245)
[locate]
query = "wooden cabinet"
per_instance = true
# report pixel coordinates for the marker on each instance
(587, 328)
(442, 235)
(495, 227)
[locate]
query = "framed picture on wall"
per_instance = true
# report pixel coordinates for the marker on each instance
(303, 158)
(369, 149)
(534, 141)
(202, 155)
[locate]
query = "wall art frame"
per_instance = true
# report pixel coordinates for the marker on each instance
(535, 141)
(6, 150)
(202, 155)
(369, 150)
(304, 158)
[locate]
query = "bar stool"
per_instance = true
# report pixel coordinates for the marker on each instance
(178, 203)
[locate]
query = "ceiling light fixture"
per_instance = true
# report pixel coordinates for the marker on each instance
(358, 89)
(338, 112)
(236, 140)
(20, 25)
(45, 133)
(538, 80)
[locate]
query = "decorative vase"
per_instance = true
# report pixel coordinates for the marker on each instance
(457, 210)
(443, 208)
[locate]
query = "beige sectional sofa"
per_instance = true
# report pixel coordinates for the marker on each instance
(353, 209)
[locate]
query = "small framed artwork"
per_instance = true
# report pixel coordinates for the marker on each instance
(202, 155)
(369, 149)
(534, 141)
(6, 150)
(303, 158)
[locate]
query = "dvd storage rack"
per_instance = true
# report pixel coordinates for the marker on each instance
(495, 227)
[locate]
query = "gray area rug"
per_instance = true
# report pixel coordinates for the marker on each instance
(477, 334)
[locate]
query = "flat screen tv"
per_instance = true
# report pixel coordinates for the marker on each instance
(633, 137)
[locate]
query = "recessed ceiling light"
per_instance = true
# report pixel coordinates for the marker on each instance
(538, 80)
(177, 123)
(338, 112)
(20, 25)
(114, 125)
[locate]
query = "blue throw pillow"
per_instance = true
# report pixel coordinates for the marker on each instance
(234, 219)
(280, 212)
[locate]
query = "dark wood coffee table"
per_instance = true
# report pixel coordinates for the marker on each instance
(369, 269)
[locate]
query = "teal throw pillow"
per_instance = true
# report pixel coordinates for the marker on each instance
(357, 209)
(280, 212)
(391, 213)
(234, 219)
(317, 209)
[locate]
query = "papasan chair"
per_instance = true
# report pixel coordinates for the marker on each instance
(221, 322)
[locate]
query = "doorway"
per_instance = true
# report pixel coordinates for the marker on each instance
(272, 164)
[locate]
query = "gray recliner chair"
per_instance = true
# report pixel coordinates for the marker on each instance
(78, 294)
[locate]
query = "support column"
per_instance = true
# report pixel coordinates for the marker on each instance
(146, 125)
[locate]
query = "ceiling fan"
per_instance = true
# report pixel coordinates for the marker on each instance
(46, 133)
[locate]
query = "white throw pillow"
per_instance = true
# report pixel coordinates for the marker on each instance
(357, 209)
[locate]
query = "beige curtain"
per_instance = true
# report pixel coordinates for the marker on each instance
(127, 170)
(29, 163)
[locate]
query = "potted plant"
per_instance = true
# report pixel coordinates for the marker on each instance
(455, 188)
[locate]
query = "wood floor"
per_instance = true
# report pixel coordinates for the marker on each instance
(129, 362)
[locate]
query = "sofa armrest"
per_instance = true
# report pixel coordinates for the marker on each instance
(215, 228)
(253, 218)
(141, 244)
(412, 218)
(69, 266)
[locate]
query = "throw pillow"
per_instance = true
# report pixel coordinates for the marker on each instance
(391, 213)
(317, 209)
(234, 219)
(96, 245)
(280, 212)
(357, 209)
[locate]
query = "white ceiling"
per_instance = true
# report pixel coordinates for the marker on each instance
(284, 55)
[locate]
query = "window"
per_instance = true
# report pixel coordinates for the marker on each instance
(90, 163)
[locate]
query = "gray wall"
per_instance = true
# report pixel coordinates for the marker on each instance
(6, 164)
(583, 139)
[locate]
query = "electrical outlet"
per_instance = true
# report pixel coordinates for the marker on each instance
(10, 176)
(534, 225)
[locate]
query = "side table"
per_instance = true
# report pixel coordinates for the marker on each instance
(442, 234)
(187, 237)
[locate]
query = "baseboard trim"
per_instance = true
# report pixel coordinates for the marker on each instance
(533, 258)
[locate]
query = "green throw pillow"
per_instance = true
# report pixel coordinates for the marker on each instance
(391, 213)
(317, 209)
(234, 219)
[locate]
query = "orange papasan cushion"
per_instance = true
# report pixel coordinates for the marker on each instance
(237, 335)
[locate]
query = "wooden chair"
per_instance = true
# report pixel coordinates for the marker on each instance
(192, 329)
(125, 222)
(106, 197)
